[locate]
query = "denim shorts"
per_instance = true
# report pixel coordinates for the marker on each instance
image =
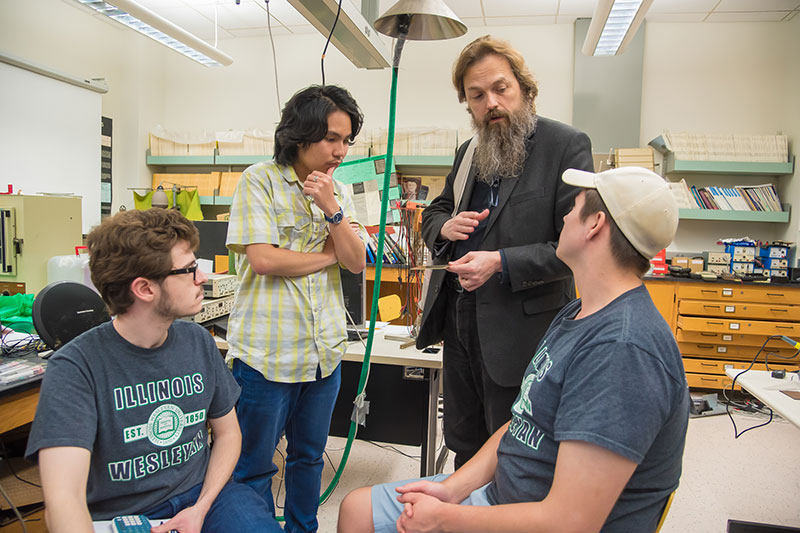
(386, 509)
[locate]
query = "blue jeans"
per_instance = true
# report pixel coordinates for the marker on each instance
(266, 410)
(237, 509)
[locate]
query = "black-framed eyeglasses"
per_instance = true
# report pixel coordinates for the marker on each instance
(190, 269)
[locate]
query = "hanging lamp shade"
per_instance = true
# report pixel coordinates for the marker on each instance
(429, 20)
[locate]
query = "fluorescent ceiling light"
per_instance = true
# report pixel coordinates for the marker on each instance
(160, 29)
(353, 35)
(613, 26)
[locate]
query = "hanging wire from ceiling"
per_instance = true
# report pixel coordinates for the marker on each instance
(216, 26)
(274, 60)
(325, 50)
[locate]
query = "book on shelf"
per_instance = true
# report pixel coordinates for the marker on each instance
(739, 198)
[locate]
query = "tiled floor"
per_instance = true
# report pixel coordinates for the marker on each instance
(754, 478)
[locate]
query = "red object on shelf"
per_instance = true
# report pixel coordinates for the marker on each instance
(10, 189)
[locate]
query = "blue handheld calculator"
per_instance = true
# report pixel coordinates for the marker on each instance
(130, 524)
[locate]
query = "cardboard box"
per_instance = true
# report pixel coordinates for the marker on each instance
(697, 264)
(227, 183)
(207, 184)
(680, 261)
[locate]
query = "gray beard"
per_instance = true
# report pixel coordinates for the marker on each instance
(501, 147)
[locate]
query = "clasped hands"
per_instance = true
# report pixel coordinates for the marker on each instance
(474, 268)
(422, 504)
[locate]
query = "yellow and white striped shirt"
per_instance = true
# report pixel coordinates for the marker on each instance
(284, 326)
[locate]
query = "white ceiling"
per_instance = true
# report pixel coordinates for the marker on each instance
(249, 18)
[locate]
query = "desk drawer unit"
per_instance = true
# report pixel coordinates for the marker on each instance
(719, 326)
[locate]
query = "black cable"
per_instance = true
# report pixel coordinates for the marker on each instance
(736, 431)
(393, 449)
(274, 60)
(325, 50)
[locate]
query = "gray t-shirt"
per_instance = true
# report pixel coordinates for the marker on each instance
(141, 413)
(614, 379)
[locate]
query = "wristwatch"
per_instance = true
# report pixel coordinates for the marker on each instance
(336, 218)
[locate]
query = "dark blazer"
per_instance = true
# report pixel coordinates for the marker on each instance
(513, 314)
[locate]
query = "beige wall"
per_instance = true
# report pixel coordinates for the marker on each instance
(726, 77)
(58, 35)
(243, 95)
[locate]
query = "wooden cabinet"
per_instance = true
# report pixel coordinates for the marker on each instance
(719, 325)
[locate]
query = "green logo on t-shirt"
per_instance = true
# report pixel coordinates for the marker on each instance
(164, 426)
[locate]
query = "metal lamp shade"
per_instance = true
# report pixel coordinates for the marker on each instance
(430, 20)
(159, 198)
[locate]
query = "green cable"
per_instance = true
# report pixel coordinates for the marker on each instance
(387, 173)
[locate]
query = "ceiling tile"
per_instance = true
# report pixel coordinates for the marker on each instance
(765, 16)
(285, 13)
(231, 16)
(580, 8)
(757, 5)
(156, 5)
(682, 6)
(300, 29)
(465, 8)
(520, 21)
(472, 22)
(675, 17)
(191, 20)
(259, 32)
(567, 19)
(518, 8)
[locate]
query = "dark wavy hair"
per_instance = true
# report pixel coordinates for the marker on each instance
(304, 119)
(134, 244)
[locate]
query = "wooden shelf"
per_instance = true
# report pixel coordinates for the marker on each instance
(179, 160)
(389, 273)
(735, 216)
(238, 160)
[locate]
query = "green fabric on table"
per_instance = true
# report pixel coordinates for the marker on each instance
(16, 311)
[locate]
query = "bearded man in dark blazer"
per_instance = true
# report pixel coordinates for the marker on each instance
(504, 283)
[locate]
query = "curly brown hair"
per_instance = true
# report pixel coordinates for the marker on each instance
(134, 244)
(482, 47)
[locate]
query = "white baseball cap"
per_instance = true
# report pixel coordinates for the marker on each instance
(640, 202)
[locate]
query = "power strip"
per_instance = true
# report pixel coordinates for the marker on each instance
(219, 285)
(213, 309)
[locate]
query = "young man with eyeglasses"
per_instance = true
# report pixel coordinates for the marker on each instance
(121, 423)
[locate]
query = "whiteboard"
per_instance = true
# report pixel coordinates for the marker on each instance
(50, 138)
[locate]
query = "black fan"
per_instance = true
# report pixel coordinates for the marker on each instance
(65, 309)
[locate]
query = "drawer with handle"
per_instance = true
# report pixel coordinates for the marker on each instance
(745, 327)
(712, 337)
(788, 313)
(702, 366)
(709, 381)
(722, 351)
(723, 292)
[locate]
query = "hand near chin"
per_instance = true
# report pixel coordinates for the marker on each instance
(319, 186)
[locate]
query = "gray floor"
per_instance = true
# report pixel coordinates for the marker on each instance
(755, 477)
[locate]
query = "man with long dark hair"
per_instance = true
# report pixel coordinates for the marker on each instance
(290, 226)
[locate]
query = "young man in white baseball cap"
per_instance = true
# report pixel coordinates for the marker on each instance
(597, 432)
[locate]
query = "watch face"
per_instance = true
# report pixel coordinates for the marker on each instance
(338, 216)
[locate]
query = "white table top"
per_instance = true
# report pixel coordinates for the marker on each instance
(763, 386)
(387, 352)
